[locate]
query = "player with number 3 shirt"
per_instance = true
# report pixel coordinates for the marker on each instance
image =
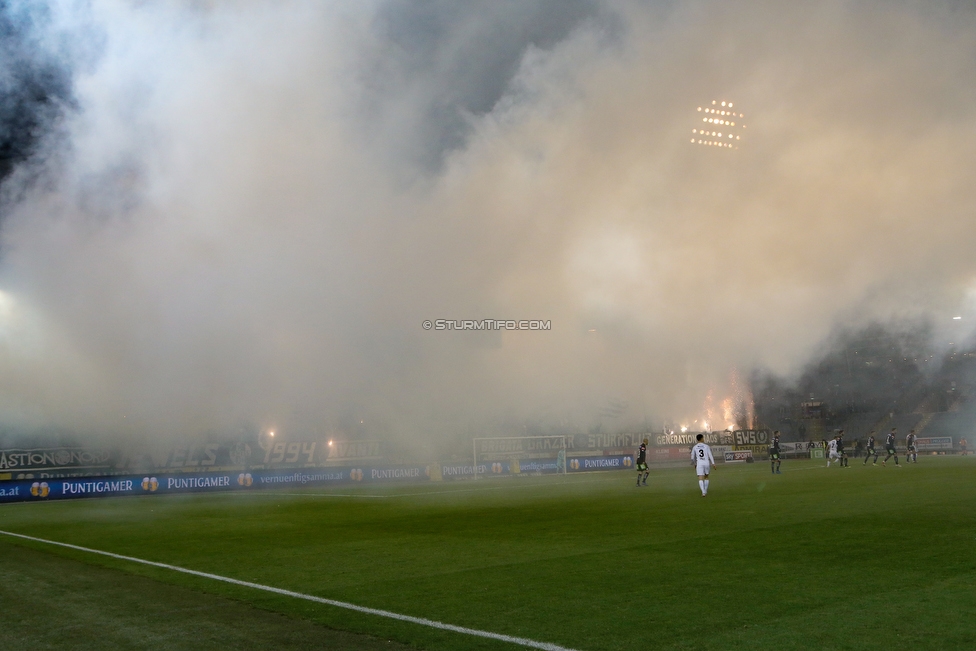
(701, 456)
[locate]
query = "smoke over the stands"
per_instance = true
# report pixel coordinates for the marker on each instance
(242, 213)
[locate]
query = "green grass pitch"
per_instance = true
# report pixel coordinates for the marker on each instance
(814, 558)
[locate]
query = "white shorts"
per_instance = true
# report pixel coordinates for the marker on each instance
(835, 455)
(703, 469)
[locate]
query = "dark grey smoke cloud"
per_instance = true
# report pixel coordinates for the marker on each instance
(35, 85)
(454, 62)
(251, 208)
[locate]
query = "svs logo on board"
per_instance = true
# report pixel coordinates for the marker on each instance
(751, 436)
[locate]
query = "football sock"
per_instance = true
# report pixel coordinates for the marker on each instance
(706, 486)
(701, 485)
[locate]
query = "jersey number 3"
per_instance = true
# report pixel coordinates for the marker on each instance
(701, 453)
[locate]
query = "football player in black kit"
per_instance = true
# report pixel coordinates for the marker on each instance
(642, 463)
(911, 451)
(890, 448)
(774, 461)
(870, 450)
(840, 450)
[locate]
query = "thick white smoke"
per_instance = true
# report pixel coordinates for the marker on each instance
(253, 207)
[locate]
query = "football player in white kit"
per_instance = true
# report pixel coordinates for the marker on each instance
(833, 453)
(701, 456)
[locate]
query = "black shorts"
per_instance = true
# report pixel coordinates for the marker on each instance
(871, 451)
(891, 450)
(911, 448)
(774, 456)
(641, 467)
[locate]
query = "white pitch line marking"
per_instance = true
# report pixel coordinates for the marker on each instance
(546, 646)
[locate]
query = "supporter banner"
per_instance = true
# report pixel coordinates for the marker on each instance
(352, 450)
(489, 447)
(37, 459)
(934, 443)
(601, 441)
(310, 453)
(736, 456)
(268, 454)
(691, 438)
(750, 436)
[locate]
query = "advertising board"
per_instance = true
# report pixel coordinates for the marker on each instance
(738, 456)
(933, 443)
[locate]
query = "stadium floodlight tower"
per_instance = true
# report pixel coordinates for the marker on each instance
(719, 125)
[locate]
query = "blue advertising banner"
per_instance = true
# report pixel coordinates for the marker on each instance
(589, 464)
(458, 471)
(75, 487)
(81, 487)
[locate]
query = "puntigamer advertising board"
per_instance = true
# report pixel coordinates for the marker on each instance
(61, 488)
(80, 487)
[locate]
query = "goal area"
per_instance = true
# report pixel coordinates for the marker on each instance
(514, 455)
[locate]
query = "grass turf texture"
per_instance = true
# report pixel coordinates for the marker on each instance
(859, 558)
